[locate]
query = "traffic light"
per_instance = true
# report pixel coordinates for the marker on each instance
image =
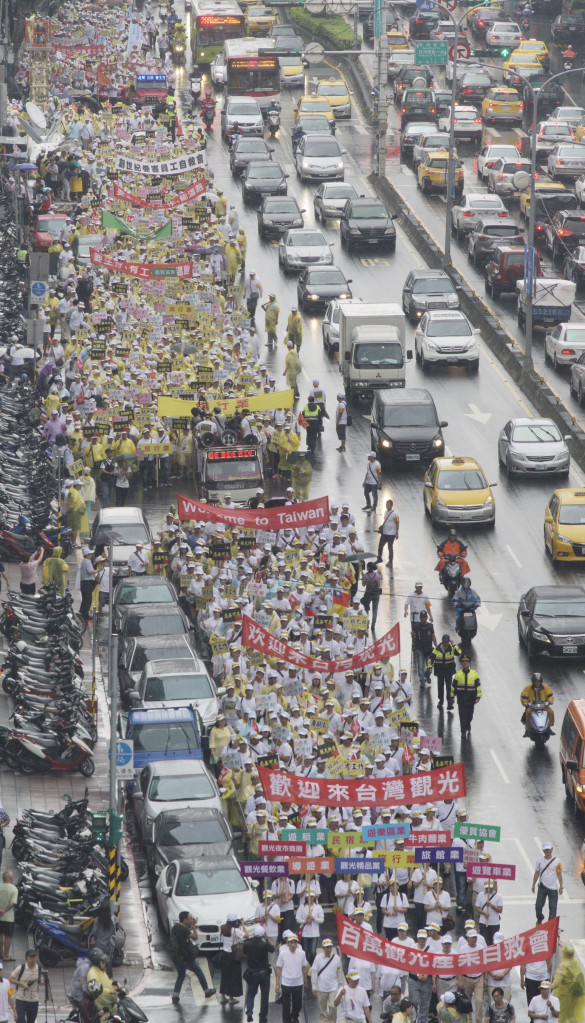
(505, 53)
(116, 821)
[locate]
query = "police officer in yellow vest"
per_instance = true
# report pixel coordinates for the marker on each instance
(312, 415)
(466, 688)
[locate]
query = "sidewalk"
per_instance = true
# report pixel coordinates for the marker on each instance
(18, 792)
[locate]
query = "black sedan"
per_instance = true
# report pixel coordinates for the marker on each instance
(318, 285)
(575, 266)
(473, 86)
(187, 833)
(276, 215)
(247, 151)
(550, 93)
(261, 179)
(421, 24)
(152, 620)
(551, 620)
(568, 28)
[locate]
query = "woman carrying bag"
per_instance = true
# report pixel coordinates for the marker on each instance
(232, 937)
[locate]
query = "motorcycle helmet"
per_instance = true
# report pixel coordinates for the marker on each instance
(466, 582)
(536, 677)
(94, 988)
(21, 646)
(452, 532)
(97, 956)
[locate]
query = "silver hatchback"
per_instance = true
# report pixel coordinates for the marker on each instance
(533, 447)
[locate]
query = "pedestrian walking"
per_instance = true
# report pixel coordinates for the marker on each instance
(271, 313)
(252, 294)
(182, 950)
(292, 972)
(138, 560)
(326, 977)
(568, 986)
(302, 477)
(8, 900)
(548, 875)
(341, 420)
(372, 482)
(466, 689)
(546, 1006)
(294, 328)
(292, 368)
(233, 934)
(388, 532)
(416, 602)
(86, 583)
(257, 950)
(310, 916)
(353, 1000)
(423, 643)
(442, 662)
(372, 581)
(27, 979)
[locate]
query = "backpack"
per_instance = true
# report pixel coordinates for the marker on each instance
(463, 1003)
(372, 583)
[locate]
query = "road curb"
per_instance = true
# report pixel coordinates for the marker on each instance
(500, 343)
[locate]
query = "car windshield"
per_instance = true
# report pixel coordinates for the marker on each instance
(286, 206)
(164, 738)
(149, 594)
(435, 141)
(243, 110)
(476, 80)
(177, 687)
(304, 238)
(154, 625)
(321, 105)
(290, 62)
(536, 433)
(51, 225)
(264, 172)
(142, 655)
(465, 115)
(333, 90)
(316, 277)
(322, 147)
(513, 168)
(433, 286)
(252, 146)
(231, 471)
(177, 832)
(438, 161)
(339, 192)
(507, 151)
(566, 607)
(373, 356)
(551, 203)
(167, 788)
(316, 123)
(129, 533)
(555, 129)
(499, 230)
(575, 152)
(464, 479)
(448, 328)
(210, 882)
(410, 415)
(372, 212)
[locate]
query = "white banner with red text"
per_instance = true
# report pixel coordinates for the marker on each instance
(427, 787)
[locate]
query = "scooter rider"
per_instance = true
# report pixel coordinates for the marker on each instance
(465, 599)
(537, 691)
(451, 545)
(569, 55)
(208, 107)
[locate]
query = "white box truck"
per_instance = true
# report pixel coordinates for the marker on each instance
(372, 346)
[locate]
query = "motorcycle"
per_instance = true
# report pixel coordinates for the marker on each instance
(537, 726)
(273, 121)
(208, 115)
(44, 752)
(195, 84)
(59, 942)
(450, 575)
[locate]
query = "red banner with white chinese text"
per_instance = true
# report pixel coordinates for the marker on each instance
(194, 191)
(146, 271)
(258, 638)
(430, 786)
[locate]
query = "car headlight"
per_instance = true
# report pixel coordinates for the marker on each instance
(386, 443)
(563, 539)
(439, 503)
(339, 165)
(437, 443)
(314, 298)
(470, 345)
(488, 500)
(453, 300)
(268, 220)
(390, 229)
(305, 164)
(540, 636)
(431, 347)
(344, 294)
(354, 230)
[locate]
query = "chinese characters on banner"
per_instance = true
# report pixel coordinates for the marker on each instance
(447, 783)
(429, 838)
(160, 168)
(288, 516)
(266, 848)
(372, 832)
(194, 191)
(257, 638)
(146, 271)
(498, 871)
(528, 947)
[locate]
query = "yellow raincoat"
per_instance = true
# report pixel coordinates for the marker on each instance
(569, 987)
(55, 569)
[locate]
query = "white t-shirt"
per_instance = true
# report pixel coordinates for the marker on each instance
(291, 964)
(324, 972)
(353, 1003)
(547, 871)
(538, 1004)
(373, 470)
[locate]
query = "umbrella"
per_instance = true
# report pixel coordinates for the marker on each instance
(124, 457)
(27, 353)
(359, 556)
(184, 348)
(27, 166)
(102, 539)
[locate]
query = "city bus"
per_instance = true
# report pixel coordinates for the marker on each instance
(249, 74)
(213, 21)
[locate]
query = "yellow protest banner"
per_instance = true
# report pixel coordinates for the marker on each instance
(335, 767)
(397, 860)
(156, 449)
(354, 769)
(254, 402)
(340, 841)
(356, 621)
(218, 645)
(76, 468)
(398, 715)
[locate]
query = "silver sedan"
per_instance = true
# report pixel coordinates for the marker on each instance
(533, 447)
(501, 176)
(330, 198)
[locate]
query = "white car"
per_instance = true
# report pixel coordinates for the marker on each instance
(490, 154)
(174, 683)
(131, 528)
(446, 338)
(550, 133)
(504, 33)
(567, 160)
(570, 115)
(564, 344)
(217, 70)
(209, 889)
(502, 176)
(472, 208)
(467, 123)
(330, 327)
(173, 785)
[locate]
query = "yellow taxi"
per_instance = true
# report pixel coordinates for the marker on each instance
(564, 525)
(259, 19)
(335, 90)
(541, 188)
(502, 104)
(537, 48)
(456, 490)
(292, 71)
(398, 40)
(519, 64)
(314, 105)
(431, 173)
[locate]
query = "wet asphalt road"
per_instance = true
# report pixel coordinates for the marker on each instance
(509, 784)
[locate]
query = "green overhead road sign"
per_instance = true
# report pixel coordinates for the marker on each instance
(378, 18)
(431, 51)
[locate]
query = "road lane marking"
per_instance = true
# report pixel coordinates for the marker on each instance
(347, 459)
(499, 766)
(513, 556)
(524, 855)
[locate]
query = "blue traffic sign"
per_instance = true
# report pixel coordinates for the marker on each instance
(124, 753)
(426, 5)
(39, 288)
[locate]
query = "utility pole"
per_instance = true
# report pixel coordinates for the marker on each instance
(382, 77)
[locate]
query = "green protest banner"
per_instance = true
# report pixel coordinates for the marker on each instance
(479, 832)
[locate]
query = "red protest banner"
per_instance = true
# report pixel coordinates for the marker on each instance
(146, 271)
(496, 871)
(528, 947)
(446, 783)
(257, 638)
(311, 865)
(428, 838)
(194, 191)
(286, 517)
(266, 848)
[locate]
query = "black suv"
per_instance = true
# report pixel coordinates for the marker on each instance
(405, 426)
(421, 24)
(568, 28)
(566, 231)
(367, 222)
(407, 77)
(428, 289)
